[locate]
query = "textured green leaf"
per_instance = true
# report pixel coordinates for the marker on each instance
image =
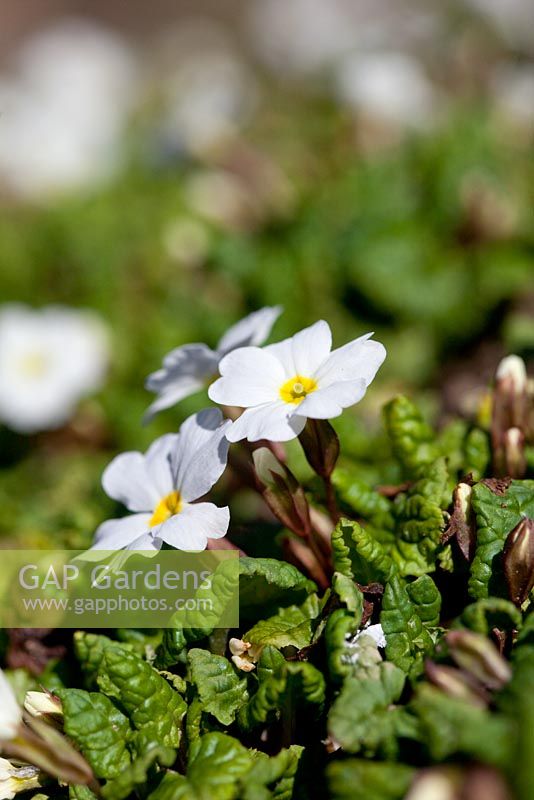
(356, 779)
(220, 689)
(266, 584)
(283, 688)
(489, 613)
(98, 729)
(412, 439)
(450, 726)
(136, 775)
(426, 599)
(290, 626)
(362, 499)
(89, 649)
(272, 778)
(407, 639)
(496, 515)
(217, 763)
(356, 554)
(361, 718)
(152, 705)
(477, 453)
(419, 521)
(348, 593)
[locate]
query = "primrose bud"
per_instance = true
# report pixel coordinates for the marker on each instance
(518, 561)
(462, 522)
(510, 416)
(479, 657)
(321, 446)
(514, 453)
(457, 684)
(44, 705)
(282, 492)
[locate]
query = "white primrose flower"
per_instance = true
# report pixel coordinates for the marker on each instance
(162, 485)
(15, 779)
(49, 359)
(10, 711)
(190, 368)
(283, 384)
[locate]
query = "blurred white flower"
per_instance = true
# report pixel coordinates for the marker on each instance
(375, 632)
(18, 778)
(63, 109)
(209, 91)
(161, 485)
(283, 384)
(49, 359)
(513, 91)
(305, 36)
(191, 367)
(10, 711)
(388, 86)
(512, 17)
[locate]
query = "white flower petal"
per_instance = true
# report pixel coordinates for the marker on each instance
(127, 480)
(330, 402)
(250, 376)
(303, 353)
(158, 459)
(185, 370)
(11, 713)
(200, 455)
(358, 359)
(252, 330)
(194, 525)
(271, 421)
(114, 534)
(172, 394)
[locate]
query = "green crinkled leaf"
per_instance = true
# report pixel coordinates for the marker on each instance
(98, 729)
(361, 718)
(407, 639)
(80, 792)
(412, 439)
(340, 630)
(89, 649)
(356, 554)
(220, 689)
(291, 626)
(477, 453)
(283, 687)
(496, 516)
(426, 598)
(450, 726)
(419, 521)
(516, 701)
(363, 500)
(272, 778)
(136, 775)
(489, 613)
(153, 706)
(192, 626)
(355, 779)
(266, 584)
(348, 593)
(216, 764)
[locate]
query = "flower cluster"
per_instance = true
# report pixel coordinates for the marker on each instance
(278, 388)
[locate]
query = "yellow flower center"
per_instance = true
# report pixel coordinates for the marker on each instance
(168, 507)
(295, 389)
(33, 365)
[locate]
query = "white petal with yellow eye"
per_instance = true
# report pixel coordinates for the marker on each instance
(194, 525)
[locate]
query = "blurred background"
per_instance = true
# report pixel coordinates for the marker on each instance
(166, 168)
